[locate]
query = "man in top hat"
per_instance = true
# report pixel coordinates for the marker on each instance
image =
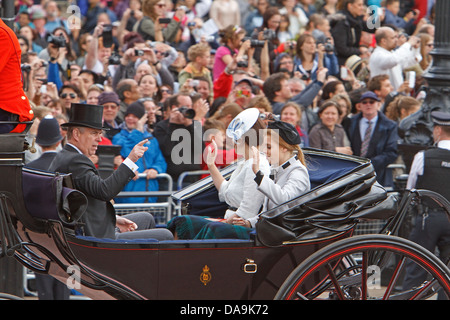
(430, 170)
(372, 135)
(84, 133)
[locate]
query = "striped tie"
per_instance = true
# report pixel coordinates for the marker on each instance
(365, 143)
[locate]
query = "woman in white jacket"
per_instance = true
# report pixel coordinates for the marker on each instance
(289, 179)
(239, 192)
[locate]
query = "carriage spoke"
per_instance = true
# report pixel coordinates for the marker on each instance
(364, 276)
(335, 282)
(394, 278)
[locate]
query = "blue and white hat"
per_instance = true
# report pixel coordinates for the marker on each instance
(243, 122)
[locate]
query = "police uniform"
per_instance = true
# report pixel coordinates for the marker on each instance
(430, 170)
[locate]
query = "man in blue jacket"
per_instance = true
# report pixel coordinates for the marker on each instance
(372, 135)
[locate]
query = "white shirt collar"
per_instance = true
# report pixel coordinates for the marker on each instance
(444, 144)
(74, 147)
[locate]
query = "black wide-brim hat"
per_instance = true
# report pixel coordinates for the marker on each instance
(86, 115)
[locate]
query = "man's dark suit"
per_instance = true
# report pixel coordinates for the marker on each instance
(382, 147)
(100, 217)
(43, 162)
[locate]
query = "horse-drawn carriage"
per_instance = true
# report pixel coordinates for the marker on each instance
(302, 249)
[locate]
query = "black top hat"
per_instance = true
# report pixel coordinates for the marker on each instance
(48, 132)
(86, 115)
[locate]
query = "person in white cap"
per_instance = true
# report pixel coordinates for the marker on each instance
(240, 191)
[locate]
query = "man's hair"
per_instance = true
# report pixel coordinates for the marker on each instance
(273, 85)
(71, 86)
(197, 51)
(92, 73)
(70, 131)
(375, 82)
(390, 2)
(173, 99)
(122, 86)
(381, 33)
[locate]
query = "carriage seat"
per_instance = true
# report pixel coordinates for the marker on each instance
(325, 169)
(154, 243)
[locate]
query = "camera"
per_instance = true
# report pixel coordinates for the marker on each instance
(138, 53)
(164, 20)
(25, 67)
(269, 34)
(254, 43)
(187, 112)
(107, 36)
(194, 83)
(210, 39)
(114, 59)
(57, 41)
(242, 64)
(329, 48)
(270, 116)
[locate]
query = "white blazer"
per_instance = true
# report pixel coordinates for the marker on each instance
(240, 191)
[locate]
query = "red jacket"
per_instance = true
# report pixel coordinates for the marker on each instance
(12, 97)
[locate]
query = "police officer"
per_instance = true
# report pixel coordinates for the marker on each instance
(430, 170)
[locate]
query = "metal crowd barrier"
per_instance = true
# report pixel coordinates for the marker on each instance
(162, 211)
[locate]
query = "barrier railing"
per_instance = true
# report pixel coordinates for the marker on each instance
(162, 211)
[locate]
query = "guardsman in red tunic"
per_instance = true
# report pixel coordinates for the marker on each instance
(14, 104)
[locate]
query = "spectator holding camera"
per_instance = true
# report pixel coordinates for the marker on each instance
(59, 40)
(231, 40)
(311, 57)
(151, 27)
(97, 57)
(180, 138)
(267, 32)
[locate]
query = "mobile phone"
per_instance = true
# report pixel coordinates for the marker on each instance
(107, 36)
(164, 20)
(412, 79)
(344, 73)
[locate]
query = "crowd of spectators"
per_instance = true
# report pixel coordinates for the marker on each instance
(162, 65)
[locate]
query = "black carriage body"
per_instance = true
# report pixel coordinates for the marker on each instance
(198, 269)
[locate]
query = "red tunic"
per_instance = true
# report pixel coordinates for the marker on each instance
(12, 97)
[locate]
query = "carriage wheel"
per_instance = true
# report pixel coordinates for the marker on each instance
(324, 275)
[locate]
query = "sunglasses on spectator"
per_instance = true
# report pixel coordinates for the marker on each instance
(166, 90)
(71, 95)
(368, 102)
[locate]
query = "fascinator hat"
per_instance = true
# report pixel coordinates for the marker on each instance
(243, 122)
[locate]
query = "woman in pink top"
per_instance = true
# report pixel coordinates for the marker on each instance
(231, 38)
